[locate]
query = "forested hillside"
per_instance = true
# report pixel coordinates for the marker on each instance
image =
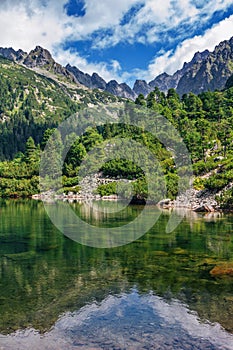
(32, 105)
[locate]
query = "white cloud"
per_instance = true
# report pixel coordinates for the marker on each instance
(169, 62)
(108, 71)
(159, 16)
(28, 23)
(103, 14)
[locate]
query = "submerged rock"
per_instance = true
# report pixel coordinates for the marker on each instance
(224, 269)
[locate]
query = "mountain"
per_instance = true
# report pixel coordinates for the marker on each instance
(122, 90)
(32, 102)
(35, 100)
(13, 55)
(165, 81)
(94, 81)
(42, 58)
(42, 61)
(210, 73)
(207, 71)
(141, 87)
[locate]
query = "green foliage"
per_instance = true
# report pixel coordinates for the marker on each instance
(198, 184)
(140, 100)
(66, 190)
(108, 189)
(226, 199)
(33, 105)
(172, 185)
(122, 168)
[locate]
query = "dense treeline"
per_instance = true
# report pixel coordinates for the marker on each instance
(32, 103)
(32, 107)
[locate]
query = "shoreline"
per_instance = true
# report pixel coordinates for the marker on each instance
(207, 207)
(164, 204)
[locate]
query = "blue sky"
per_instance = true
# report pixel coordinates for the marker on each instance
(124, 39)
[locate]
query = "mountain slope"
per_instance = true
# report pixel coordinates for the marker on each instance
(94, 81)
(207, 71)
(41, 59)
(210, 73)
(32, 103)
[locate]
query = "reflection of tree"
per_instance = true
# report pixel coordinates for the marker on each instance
(44, 274)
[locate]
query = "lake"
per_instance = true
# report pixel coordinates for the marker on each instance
(162, 291)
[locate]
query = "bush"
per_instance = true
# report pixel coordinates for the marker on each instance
(108, 189)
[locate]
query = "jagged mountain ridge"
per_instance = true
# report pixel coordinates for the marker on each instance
(40, 58)
(206, 71)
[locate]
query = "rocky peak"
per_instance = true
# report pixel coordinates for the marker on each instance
(12, 55)
(141, 87)
(165, 81)
(122, 90)
(38, 57)
(200, 56)
(98, 82)
(208, 70)
(92, 82)
(82, 78)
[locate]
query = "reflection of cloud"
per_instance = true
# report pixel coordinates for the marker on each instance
(125, 320)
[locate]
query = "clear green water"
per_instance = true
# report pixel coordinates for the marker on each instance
(155, 293)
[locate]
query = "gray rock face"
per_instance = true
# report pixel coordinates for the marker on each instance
(165, 81)
(12, 55)
(82, 78)
(206, 71)
(122, 90)
(199, 201)
(141, 87)
(42, 58)
(38, 57)
(96, 82)
(210, 71)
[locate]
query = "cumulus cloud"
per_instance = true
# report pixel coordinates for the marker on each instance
(170, 62)
(108, 71)
(156, 17)
(28, 23)
(100, 15)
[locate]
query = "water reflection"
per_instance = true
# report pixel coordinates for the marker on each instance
(128, 321)
(126, 297)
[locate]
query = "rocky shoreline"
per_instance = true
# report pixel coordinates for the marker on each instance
(49, 196)
(192, 199)
(198, 201)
